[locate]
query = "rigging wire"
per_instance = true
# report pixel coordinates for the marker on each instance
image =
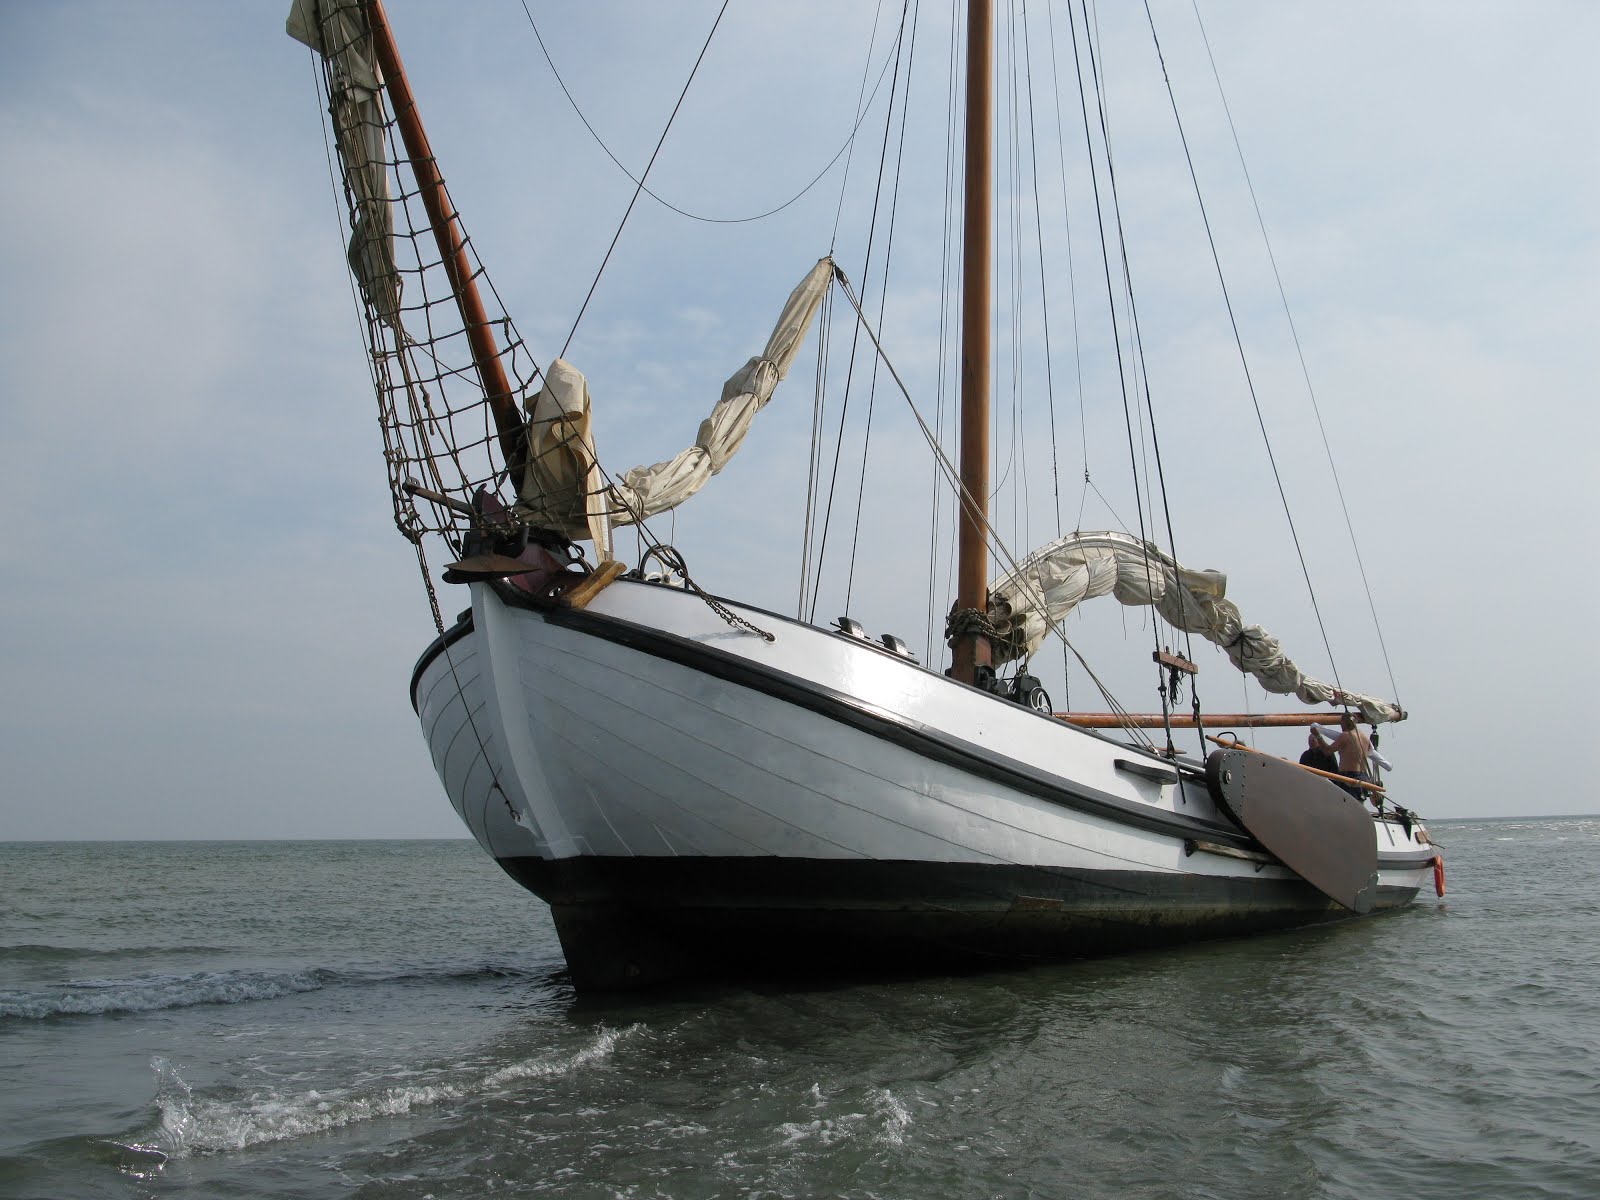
(656, 196)
(1294, 333)
(1142, 381)
(883, 286)
(1072, 276)
(1006, 215)
(997, 545)
(819, 400)
(640, 189)
(1123, 369)
(861, 114)
(814, 458)
(949, 253)
(1044, 288)
(1016, 213)
(872, 227)
(1239, 343)
(1077, 340)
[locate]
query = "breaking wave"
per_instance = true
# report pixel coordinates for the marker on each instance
(191, 1124)
(150, 993)
(886, 1124)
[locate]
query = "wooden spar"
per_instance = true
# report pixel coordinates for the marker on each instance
(447, 234)
(1101, 720)
(972, 650)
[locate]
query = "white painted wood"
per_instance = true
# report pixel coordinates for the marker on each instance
(603, 749)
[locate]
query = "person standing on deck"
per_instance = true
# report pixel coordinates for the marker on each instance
(1317, 755)
(1353, 750)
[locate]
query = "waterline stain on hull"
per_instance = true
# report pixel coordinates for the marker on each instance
(633, 922)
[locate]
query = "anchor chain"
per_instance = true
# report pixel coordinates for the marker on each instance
(672, 560)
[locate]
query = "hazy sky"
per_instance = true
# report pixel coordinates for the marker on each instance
(209, 623)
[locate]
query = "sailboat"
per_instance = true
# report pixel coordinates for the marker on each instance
(702, 787)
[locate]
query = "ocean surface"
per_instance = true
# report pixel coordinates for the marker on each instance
(391, 1019)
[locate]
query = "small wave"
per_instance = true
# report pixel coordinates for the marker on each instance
(197, 1125)
(437, 972)
(35, 952)
(155, 992)
(149, 993)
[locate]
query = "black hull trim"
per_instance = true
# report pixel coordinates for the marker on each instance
(627, 923)
(448, 638)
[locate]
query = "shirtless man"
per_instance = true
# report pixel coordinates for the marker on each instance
(1353, 750)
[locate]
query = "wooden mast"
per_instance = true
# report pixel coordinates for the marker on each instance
(447, 234)
(972, 650)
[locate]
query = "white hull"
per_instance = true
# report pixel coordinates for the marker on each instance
(686, 794)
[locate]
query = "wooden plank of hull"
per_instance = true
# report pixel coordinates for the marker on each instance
(1317, 829)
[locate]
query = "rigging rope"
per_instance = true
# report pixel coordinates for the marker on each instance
(1294, 333)
(616, 237)
(844, 412)
(1239, 342)
(1072, 277)
(861, 114)
(1105, 260)
(991, 536)
(810, 586)
(814, 459)
(1044, 289)
(949, 253)
(883, 285)
(661, 200)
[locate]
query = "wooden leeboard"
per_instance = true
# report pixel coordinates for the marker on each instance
(1317, 829)
(486, 566)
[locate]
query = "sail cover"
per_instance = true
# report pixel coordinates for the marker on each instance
(1056, 578)
(562, 487)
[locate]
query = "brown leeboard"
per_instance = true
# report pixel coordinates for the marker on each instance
(1317, 829)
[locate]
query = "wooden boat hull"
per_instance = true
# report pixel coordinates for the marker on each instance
(693, 800)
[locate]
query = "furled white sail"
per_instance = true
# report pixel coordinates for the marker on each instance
(337, 30)
(1056, 578)
(562, 488)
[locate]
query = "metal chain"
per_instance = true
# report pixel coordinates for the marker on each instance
(672, 560)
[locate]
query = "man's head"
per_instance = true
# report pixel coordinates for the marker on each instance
(1348, 722)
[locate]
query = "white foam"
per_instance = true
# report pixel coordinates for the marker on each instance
(896, 1118)
(196, 1125)
(893, 1120)
(148, 994)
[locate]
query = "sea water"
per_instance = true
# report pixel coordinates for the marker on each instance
(392, 1019)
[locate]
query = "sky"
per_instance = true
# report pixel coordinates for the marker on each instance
(208, 623)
